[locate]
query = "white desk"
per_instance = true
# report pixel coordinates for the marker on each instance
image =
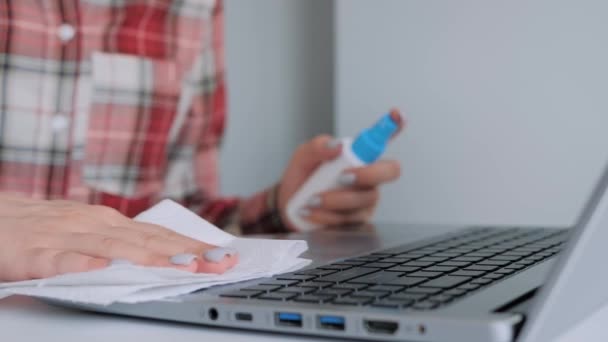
(27, 320)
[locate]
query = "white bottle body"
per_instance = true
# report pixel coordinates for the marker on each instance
(325, 178)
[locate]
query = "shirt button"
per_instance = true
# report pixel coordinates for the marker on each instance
(66, 32)
(59, 123)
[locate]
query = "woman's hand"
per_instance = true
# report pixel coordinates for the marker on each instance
(40, 239)
(355, 202)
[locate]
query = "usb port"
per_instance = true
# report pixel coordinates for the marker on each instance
(243, 316)
(289, 319)
(332, 322)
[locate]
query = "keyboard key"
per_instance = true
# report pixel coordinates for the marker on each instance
(313, 298)
(494, 262)
(343, 276)
(446, 282)
(493, 276)
(433, 258)
(336, 267)
(516, 266)
(277, 296)
(241, 294)
(277, 282)
(418, 263)
(469, 286)
(366, 258)
(353, 301)
(482, 281)
(406, 269)
(442, 269)
(333, 292)
(408, 296)
(381, 277)
(422, 274)
(353, 263)
(506, 257)
(468, 258)
(381, 264)
(315, 284)
(455, 292)
(383, 303)
(505, 271)
(455, 263)
(467, 273)
(350, 286)
(485, 268)
(385, 288)
(396, 260)
(480, 253)
(448, 254)
(264, 288)
(300, 277)
(406, 281)
(441, 298)
(297, 289)
(425, 290)
(316, 271)
(374, 294)
(425, 305)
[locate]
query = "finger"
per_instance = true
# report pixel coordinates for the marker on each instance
(335, 218)
(218, 268)
(44, 263)
(102, 246)
(156, 243)
(313, 153)
(345, 200)
(169, 235)
(399, 120)
(372, 175)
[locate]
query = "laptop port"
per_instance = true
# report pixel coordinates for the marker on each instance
(289, 319)
(332, 322)
(380, 327)
(213, 314)
(243, 316)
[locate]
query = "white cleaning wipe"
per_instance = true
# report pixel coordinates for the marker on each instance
(132, 284)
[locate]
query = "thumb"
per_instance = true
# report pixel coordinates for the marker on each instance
(318, 150)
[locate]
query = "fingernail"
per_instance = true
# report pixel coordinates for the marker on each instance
(314, 202)
(116, 262)
(218, 254)
(334, 143)
(304, 212)
(183, 259)
(347, 179)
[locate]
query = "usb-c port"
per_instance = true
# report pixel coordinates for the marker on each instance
(243, 316)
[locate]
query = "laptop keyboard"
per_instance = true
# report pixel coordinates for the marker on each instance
(415, 277)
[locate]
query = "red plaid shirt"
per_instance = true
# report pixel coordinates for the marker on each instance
(115, 102)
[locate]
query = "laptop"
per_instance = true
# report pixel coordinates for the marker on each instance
(491, 284)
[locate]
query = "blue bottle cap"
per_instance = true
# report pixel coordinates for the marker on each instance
(371, 143)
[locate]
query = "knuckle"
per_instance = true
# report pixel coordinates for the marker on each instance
(320, 139)
(105, 211)
(108, 243)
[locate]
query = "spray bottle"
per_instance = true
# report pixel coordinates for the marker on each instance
(365, 149)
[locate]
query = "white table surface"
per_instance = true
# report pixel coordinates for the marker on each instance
(25, 319)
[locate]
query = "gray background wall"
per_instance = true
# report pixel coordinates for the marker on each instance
(507, 103)
(506, 100)
(279, 56)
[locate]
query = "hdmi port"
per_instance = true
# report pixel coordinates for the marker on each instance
(380, 327)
